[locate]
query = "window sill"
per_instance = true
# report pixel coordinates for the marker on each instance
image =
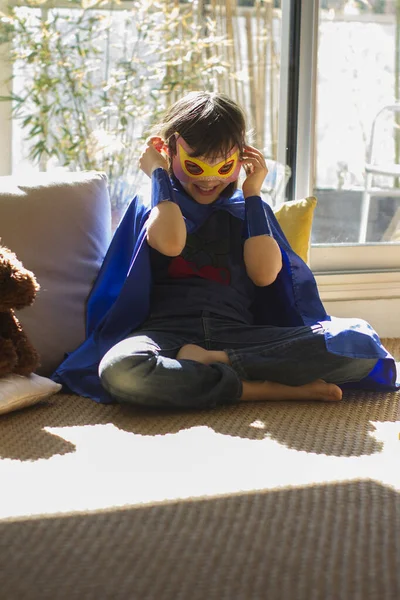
(327, 258)
(373, 296)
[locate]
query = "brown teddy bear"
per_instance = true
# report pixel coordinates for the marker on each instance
(18, 288)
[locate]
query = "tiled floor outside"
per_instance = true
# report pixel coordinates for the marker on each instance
(337, 216)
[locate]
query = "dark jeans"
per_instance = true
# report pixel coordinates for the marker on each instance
(143, 369)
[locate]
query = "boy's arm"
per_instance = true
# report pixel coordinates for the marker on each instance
(166, 229)
(262, 254)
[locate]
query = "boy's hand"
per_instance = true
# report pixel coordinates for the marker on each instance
(151, 157)
(256, 170)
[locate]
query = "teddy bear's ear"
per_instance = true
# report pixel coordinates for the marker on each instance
(18, 286)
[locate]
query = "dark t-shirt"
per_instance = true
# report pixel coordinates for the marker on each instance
(210, 274)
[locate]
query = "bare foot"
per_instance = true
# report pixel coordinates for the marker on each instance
(193, 352)
(270, 390)
(320, 390)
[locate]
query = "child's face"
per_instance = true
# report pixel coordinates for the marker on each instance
(204, 178)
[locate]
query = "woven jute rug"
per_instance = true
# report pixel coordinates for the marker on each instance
(274, 501)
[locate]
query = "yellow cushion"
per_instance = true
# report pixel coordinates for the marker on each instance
(392, 233)
(296, 219)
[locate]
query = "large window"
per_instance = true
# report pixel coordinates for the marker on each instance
(357, 76)
(333, 137)
(311, 74)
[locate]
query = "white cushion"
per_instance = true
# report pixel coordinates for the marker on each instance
(59, 226)
(17, 391)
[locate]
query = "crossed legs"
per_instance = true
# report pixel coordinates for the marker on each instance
(265, 390)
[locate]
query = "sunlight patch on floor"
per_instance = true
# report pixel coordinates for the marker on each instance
(111, 467)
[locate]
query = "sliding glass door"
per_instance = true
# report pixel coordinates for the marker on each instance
(357, 130)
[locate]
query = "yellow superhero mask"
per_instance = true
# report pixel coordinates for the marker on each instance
(189, 168)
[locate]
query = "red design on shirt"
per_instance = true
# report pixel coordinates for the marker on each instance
(179, 268)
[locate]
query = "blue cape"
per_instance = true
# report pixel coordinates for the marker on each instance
(119, 300)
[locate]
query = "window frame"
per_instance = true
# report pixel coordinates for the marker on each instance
(325, 257)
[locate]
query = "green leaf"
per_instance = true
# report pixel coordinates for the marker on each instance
(26, 121)
(35, 130)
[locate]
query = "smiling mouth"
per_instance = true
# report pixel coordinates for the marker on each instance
(206, 191)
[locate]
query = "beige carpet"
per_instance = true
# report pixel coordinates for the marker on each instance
(274, 501)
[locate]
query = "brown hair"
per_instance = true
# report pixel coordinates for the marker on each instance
(210, 123)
